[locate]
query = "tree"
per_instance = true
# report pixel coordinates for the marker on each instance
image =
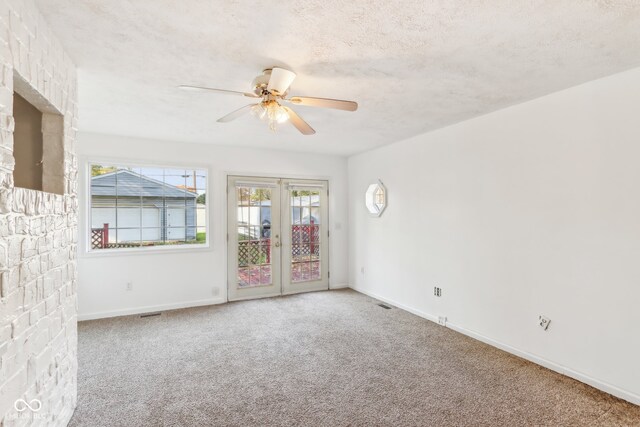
(101, 170)
(202, 199)
(298, 193)
(260, 194)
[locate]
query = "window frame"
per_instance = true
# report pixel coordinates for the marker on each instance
(125, 163)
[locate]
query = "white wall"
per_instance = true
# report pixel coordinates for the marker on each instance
(531, 210)
(187, 277)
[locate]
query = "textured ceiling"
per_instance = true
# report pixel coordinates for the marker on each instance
(413, 66)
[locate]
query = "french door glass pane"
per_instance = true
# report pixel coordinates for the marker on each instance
(305, 235)
(254, 236)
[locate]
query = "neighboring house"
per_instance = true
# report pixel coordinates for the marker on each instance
(304, 210)
(141, 208)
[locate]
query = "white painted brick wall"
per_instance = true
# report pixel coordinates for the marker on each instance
(38, 327)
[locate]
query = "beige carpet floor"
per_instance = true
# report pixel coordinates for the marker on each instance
(319, 359)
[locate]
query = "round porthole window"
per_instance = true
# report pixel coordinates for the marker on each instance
(376, 199)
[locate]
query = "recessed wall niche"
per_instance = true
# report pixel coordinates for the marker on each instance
(38, 141)
(27, 144)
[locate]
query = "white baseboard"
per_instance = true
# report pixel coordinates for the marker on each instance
(164, 307)
(593, 382)
(397, 304)
(148, 309)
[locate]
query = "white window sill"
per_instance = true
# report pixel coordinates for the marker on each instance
(145, 251)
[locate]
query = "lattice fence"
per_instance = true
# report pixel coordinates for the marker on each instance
(306, 233)
(97, 238)
(305, 246)
(254, 252)
(305, 242)
(302, 252)
(100, 237)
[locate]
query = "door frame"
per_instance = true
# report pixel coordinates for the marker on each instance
(225, 218)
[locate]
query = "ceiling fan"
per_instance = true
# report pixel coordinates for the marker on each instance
(272, 88)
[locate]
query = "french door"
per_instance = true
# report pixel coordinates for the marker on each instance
(277, 236)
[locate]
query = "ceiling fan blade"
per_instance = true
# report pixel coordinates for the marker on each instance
(210, 89)
(280, 80)
(300, 124)
(235, 114)
(338, 104)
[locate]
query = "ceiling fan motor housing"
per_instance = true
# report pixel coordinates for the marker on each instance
(261, 82)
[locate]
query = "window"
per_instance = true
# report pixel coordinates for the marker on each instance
(376, 199)
(141, 207)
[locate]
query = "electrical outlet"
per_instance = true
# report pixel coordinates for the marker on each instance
(129, 286)
(437, 291)
(544, 322)
(442, 320)
(215, 291)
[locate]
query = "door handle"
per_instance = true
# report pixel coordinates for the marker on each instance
(277, 245)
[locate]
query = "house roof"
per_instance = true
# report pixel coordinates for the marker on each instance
(133, 184)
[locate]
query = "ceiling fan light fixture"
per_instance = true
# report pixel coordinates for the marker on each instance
(259, 111)
(275, 114)
(271, 112)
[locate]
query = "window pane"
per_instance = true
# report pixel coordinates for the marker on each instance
(315, 216)
(176, 178)
(128, 217)
(190, 183)
(315, 271)
(254, 232)
(191, 235)
(295, 272)
(254, 215)
(254, 279)
(296, 252)
(176, 217)
(103, 215)
(243, 216)
(243, 277)
(201, 180)
(243, 233)
(128, 236)
(201, 217)
(243, 196)
(176, 233)
(201, 235)
(152, 174)
(265, 216)
(314, 233)
(97, 170)
(265, 275)
(151, 236)
(305, 273)
(314, 251)
(152, 216)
